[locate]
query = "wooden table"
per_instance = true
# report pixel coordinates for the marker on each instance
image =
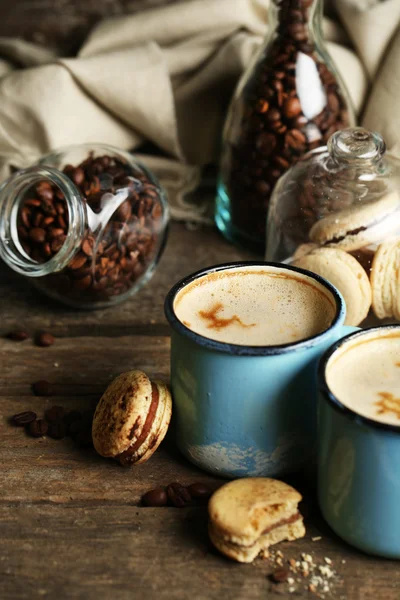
(70, 522)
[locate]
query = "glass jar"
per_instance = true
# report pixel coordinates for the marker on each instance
(289, 101)
(87, 224)
(338, 209)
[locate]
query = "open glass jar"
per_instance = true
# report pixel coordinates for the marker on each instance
(88, 224)
(337, 213)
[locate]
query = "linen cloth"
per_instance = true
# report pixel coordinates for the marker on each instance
(166, 75)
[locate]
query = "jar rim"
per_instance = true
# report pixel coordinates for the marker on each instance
(12, 193)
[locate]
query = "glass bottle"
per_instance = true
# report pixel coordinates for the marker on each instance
(289, 101)
(87, 225)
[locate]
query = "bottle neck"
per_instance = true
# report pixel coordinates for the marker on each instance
(12, 194)
(300, 21)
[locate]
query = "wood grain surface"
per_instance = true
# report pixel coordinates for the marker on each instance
(71, 522)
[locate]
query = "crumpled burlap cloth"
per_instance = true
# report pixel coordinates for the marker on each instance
(166, 75)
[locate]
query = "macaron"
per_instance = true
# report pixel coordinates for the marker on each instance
(346, 274)
(247, 516)
(385, 280)
(358, 225)
(131, 418)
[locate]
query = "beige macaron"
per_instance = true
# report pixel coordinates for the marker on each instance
(385, 280)
(131, 418)
(346, 274)
(359, 225)
(248, 515)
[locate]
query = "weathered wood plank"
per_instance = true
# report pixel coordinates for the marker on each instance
(125, 552)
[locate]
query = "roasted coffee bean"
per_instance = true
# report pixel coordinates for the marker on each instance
(178, 495)
(157, 497)
(57, 430)
(37, 235)
(24, 418)
(38, 428)
(18, 335)
(55, 413)
(280, 575)
(42, 388)
(200, 491)
(44, 339)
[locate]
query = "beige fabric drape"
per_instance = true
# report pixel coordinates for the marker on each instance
(166, 76)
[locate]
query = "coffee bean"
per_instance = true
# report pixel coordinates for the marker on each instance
(157, 497)
(44, 340)
(78, 176)
(57, 430)
(200, 491)
(292, 107)
(18, 335)
(24, 418)
(42, 388)
(178, 495)
(55, 413)
(280, 575)
(38, 428)
(37, 235)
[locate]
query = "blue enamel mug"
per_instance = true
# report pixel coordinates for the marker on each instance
(244, 410)
(359, 456)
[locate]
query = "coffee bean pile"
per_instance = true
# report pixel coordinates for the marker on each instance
(273, 131)
(178, 495)
(110, 258)
(57, 424)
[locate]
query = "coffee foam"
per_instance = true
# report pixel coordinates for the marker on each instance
(255, 306)
(364, 374)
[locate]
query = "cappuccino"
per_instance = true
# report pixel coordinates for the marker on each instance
(364, 375)
(255, 306)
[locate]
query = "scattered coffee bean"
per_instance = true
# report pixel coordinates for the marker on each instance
(17, 335)
(280, 575)
(55, 413)
(200, 491)
(178, 495)
(156, 497)
(38, 428)
(57, 430)
(44, 340)
(42, 388)
(23, 418)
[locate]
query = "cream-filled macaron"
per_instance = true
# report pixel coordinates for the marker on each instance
(346, 274)
(358, 225)
(248, 515)
(131, 418)
(385, 280)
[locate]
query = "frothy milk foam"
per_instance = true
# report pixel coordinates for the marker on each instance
(255, 306)
(364, 374)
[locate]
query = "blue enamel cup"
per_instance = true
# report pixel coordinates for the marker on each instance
(247, 410)
(358, 468)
